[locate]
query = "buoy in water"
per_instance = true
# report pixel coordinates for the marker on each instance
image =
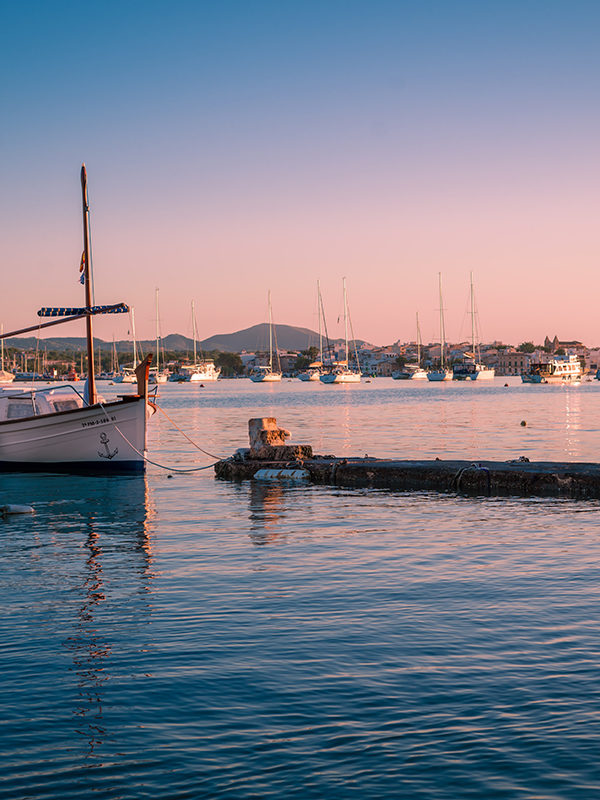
(523, 423)
(14, 509)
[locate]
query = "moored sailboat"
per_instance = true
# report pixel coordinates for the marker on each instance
(266, 373)
(413, 371)
(5, 376)
(58, 429)
(442, 372)
(157, 375)
(472, 368)
(313, 371)
(340, 371)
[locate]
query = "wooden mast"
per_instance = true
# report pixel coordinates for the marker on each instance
(92, 399)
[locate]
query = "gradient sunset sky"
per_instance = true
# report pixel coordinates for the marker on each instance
(236, 147)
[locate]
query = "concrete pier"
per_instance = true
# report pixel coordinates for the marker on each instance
(518, 477)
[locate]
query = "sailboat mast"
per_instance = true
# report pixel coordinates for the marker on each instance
(91, 393)
(442, 333)
(133, 337)
(2, 348)
(319, 316)
(270, 332)
(418, 340)
(157, 350)
(194, 330)
(472, 318)
(345, 319)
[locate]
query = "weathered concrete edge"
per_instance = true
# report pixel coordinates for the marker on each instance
(487, 478)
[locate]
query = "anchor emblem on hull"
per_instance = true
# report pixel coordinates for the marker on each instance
(104, 440)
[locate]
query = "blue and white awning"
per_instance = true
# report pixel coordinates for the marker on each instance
(117, 308)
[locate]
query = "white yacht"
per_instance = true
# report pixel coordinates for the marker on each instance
(340, 371)
(5, 376)
(266, 374)
(128, 374)
(413, 371)
(442, 372)
(561, 369)
(472, 368)
(313, 371)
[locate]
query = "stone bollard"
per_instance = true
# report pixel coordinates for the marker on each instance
(267, 442)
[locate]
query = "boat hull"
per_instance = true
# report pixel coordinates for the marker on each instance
(309, 376)
(439, 375)
(110, 438)
(350, 377)
(271, 377)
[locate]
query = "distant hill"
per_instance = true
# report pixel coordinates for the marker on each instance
(257, 338)
(254, 338)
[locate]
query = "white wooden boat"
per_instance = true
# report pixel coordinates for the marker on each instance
(58, 429)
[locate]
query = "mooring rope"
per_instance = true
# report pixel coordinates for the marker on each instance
(155, 463)
(183, 433)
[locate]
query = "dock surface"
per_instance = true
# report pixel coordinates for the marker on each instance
(488, 478)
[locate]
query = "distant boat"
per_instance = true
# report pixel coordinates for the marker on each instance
(340, 371)
(5, 376)
(472, 368)
(313, 372)
(156, 374)
(442, 373)
(561, 369)
(199, 370)
(128, 374)
(412, 371)
(266, 374)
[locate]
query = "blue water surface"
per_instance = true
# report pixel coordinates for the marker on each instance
(175, 636)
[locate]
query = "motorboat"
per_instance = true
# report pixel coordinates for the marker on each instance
(560, 369)
(62, 429)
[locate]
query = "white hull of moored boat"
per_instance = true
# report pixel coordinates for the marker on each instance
(340, 377)
(439, 375)
(6, 377)
(103, 438)
(269, 377)
(309, 376)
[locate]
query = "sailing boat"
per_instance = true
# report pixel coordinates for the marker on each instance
(339, 371)
(157, 375)
(443, 373)
(266, 374)
(203, 370)
(128, 374)
(58, 429)
(313, 372)
(472, 368)
(413, 370)
(5, 376)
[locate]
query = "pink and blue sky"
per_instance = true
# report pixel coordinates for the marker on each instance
(239, 146)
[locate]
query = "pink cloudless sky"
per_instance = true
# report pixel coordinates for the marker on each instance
(237, 148)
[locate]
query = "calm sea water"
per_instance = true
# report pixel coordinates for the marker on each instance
(175, 636)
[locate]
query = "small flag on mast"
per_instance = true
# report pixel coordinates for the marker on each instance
(82, 268)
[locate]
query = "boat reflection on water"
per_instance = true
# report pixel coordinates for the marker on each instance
(267, 511)
(93, 551)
